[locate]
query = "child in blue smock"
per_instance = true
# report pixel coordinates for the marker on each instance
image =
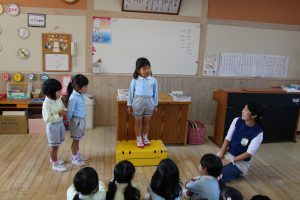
(142, 100)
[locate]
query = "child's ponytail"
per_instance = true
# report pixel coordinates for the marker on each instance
(112, 188)
(131, 193)
(69, 90)
(76, 197)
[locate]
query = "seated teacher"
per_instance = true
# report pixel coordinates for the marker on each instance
(241, 142)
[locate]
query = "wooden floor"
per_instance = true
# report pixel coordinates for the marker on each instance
(25, 172)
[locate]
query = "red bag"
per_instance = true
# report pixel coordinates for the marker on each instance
(196, 132)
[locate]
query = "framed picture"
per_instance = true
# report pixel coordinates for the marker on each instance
(36, 20)
(152, 6)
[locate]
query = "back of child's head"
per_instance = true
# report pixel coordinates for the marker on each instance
(85, 181)
(260, 197)
(50, 87)
(140, 62)
(165, 181)
(78, 82)
(212, 164)
(123, 173)
(230, 193)
(256, 109)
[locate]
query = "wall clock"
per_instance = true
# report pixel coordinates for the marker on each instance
(23, 53)
(12, 9)
(70, 1)
(23, 32)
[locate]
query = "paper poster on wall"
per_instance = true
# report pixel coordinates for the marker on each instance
(253, 65)
(102, 30)
(57, 62)
(210, 65)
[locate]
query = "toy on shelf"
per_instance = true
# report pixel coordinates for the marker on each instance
(18, 91)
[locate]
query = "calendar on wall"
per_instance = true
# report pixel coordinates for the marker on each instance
(56, 52)
(152, 6)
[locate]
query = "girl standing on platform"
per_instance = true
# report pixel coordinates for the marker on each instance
(76, 114)
(241, 142)
(120, 187)
(142, 99)
(53, 111)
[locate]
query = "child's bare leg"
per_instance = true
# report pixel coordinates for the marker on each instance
(138, 129)
(75, 147)
(145, 130)
(53, 153)
(138, 126)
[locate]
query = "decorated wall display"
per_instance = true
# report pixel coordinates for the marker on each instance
(32, 77)
(5, 76)
(18, 77)
(44, 77)
(56, 52)
(12, 9)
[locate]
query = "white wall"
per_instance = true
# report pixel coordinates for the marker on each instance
(233, 39)
(187, 8)
(10, 41)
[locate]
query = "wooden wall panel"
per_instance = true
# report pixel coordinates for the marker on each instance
(275, 11)
(48, 3)
(104, 88)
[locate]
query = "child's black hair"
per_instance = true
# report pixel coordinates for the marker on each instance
(212, 164)
(260, 197)
(85, 181)
(140, 62)
(230, 193)
(123, 173)
(50, 87)
(78, 81)
(165, 181)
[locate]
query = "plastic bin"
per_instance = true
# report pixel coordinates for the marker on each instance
(89, 105)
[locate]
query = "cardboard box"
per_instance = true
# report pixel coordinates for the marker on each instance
(13, 124)
(149, 155)
(36, 126)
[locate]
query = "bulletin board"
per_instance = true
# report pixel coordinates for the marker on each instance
(171, 47)
(56, 52)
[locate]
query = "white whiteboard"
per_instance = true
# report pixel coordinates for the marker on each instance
(171, 47)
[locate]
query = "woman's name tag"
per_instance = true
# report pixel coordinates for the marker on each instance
(244, 142)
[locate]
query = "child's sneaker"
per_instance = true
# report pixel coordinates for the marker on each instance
(76, 160)
(82, 157)
(60, 162)
(146, 140)
(59, 168)
(139, 142)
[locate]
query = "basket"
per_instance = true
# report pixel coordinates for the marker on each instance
(196, 132)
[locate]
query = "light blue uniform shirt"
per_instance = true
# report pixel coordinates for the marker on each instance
(76, 106)
(204, 187)
(146, 87)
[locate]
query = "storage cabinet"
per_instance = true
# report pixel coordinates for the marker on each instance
(279, 119)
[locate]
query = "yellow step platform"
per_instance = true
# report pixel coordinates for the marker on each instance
(149, 155)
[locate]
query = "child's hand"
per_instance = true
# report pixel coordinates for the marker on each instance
(62, 113)
(155, 109)
(129, 109)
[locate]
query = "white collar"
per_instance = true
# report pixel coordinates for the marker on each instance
(76, 93)
(142, 78)
(51, 100)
